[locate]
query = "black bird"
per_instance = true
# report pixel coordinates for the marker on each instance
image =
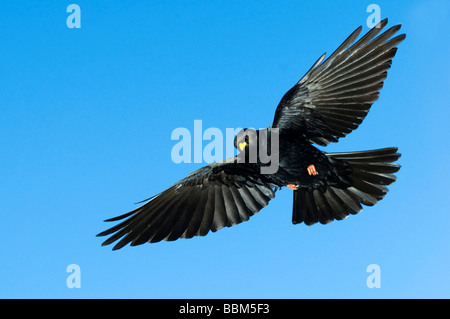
(328, 102)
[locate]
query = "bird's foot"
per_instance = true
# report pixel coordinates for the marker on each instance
(292, 186)
(312, 170)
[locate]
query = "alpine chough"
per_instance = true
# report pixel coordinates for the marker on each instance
(328, 102)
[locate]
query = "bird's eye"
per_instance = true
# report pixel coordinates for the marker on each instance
(242, 145)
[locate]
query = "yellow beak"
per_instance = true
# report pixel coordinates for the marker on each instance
(242, 145)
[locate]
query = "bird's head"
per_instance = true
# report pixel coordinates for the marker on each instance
(245, 138)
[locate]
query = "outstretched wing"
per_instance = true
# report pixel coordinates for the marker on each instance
(335, 95)
(218, 195)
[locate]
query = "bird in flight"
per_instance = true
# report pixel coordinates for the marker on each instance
(330, 101)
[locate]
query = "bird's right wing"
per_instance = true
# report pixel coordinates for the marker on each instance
(335, 95)
(218, 195)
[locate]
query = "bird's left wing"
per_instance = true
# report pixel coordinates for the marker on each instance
(218, 195)
(335, 95)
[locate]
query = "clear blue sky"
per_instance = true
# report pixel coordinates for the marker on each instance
(86, 117)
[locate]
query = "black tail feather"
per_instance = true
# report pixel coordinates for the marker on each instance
(371, 172)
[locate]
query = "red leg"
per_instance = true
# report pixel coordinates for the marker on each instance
(312, 170)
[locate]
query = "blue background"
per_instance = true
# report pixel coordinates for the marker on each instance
(86, 117)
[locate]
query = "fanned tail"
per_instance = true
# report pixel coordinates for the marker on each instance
(371, 172)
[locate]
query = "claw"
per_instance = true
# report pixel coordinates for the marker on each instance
(292, 186)
(312, 170)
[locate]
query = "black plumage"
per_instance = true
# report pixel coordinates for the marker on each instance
(329, 101)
